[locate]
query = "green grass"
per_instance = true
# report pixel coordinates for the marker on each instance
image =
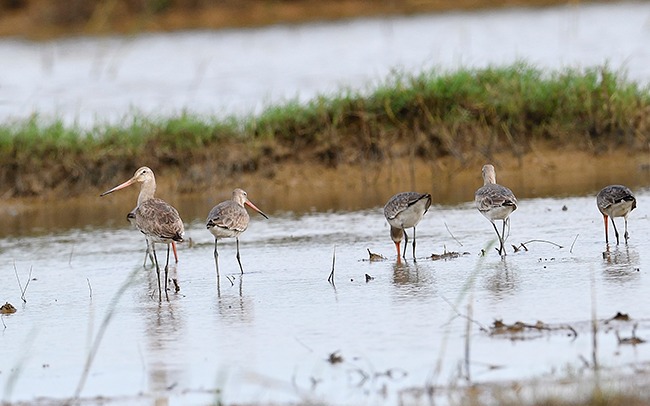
(431, 114)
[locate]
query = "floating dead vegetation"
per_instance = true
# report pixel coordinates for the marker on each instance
(447, 255)
(375, 257)
(524, 331)
(335, 358)
(369, 278)
(7, 308)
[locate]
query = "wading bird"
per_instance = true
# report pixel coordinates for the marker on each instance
(615, 201)
(155, 218)
(229, 219)
(405, 210)
(131, 219)
(495, 202)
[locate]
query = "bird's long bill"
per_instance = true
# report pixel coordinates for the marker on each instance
(118, 187)
(251, 205)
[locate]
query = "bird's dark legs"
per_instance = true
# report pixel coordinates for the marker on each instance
(147, 254)
(239, 258)
(615, 230)
(626, 235)
(406, 243)
(606, 235)
(155, 258)
(167, 274)
(413, 243)
(501, 249)
(216, 257)
(506, 223)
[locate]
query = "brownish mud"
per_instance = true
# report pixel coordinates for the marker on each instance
(42, 19)
(305, 187)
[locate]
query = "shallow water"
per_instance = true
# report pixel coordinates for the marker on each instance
(267, 336)
(91, 80)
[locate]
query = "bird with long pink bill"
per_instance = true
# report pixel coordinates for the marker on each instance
(156, 219)
(402, 211)
(148, 254)
(229, 219)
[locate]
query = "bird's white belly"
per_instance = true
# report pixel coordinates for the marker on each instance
(619, 209)
(498, 213)
(220, 232)
(409, 217)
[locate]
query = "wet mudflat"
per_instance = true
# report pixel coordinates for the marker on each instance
(281, 333)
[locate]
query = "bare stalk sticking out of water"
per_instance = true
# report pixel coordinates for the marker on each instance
(29, 278)
(90, 288)
(463, 316)
(452, 236)
(330, 279)
(574, 243)
(102, 330)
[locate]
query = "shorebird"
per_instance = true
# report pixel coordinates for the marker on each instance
(131, 219)
(229, 219)
(495, 202)
(615, 201)
(155, 218)
(405, 210)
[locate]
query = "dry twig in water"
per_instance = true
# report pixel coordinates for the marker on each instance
(525, 248)
(330, 279)
(452, 236)
(29, 278)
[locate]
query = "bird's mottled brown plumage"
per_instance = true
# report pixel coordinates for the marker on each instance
(615, 201)
(495, 202)
(229, 219)
(155, 218)
(405, 210)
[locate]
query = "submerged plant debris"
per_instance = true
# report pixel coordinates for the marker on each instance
(447, 255)
(519, 330)
(375, 257)
(7, 308)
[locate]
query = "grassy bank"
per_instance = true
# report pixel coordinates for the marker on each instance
(466, 114)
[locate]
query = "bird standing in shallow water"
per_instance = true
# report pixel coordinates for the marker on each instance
(405, 210)
(229, 219)
(155, 218)
(131, 219)
(615, 201)
(495, 202)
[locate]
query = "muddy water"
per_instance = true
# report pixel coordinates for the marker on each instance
(90, 80)
(269, 335)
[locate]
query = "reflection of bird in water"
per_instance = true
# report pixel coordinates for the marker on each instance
(495, 202)
(405, 210)
(131, 219)
(615, 201)
(155, 218)
(229, 219)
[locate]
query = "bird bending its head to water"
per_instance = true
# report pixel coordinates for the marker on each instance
(615, 201)
(405, 210)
